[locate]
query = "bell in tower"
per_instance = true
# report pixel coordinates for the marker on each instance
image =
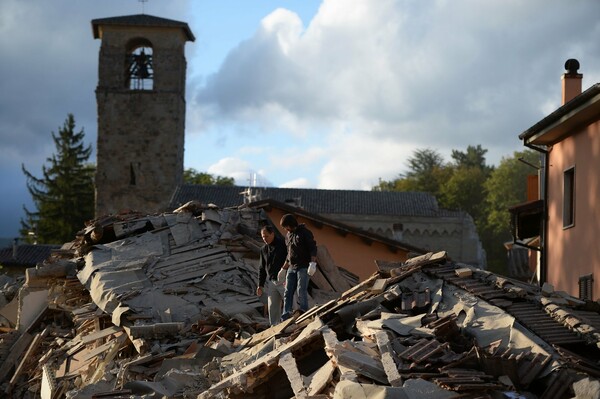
(140, 69)
(141, 111)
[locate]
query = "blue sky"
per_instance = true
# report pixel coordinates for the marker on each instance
(304, 93)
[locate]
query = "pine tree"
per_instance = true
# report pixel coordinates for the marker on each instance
(64, 196)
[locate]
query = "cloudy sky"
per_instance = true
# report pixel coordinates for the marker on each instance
(303, 93)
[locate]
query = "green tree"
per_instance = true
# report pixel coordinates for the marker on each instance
(464, 189)
(424, 162)
(426, 172)
(192, 176)
(507, 186)
(64, 195)
(469, 184)
(474, 157)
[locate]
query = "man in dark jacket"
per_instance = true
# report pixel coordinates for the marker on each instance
(301, 250)
(272, 257)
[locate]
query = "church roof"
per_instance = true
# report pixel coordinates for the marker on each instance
(350, 202)
(141, 20)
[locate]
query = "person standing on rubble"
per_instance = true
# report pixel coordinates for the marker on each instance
(301, 251)
(272, 256)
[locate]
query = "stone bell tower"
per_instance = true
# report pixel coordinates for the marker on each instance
(141, 111)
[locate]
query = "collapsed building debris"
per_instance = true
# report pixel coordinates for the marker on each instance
(164, 306)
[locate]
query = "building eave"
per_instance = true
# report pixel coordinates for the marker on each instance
(566, 120)
(140, 20)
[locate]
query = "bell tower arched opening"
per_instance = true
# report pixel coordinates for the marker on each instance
(139, 71)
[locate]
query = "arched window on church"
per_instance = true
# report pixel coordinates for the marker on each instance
(140, 73)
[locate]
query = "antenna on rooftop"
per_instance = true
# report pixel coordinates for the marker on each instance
(143, 5)
(252, 192)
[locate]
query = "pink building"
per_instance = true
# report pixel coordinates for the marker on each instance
(568, 217)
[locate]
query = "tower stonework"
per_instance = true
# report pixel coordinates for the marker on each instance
(141, 112)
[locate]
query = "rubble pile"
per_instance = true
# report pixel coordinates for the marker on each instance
(146, 306)
(427, 328)
(133, 291)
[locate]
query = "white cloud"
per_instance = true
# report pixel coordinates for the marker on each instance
(400, 76)
(237, 168)
(300, 182)
(361, 161)
(301, 157)
(285, 26)
(334, 102)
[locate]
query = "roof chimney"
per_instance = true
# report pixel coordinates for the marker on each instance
(571, 81)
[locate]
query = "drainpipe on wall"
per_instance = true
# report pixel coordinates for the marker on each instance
(544, 192)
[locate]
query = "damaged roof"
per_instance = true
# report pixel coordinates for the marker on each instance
(165, 305)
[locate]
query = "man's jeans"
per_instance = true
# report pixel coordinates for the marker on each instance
(275, 296)
(295, 280)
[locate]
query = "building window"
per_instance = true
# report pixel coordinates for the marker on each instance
(569, 198)
(585, 287)
(132, 179)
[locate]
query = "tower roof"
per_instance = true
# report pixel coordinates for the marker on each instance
(141, 20)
